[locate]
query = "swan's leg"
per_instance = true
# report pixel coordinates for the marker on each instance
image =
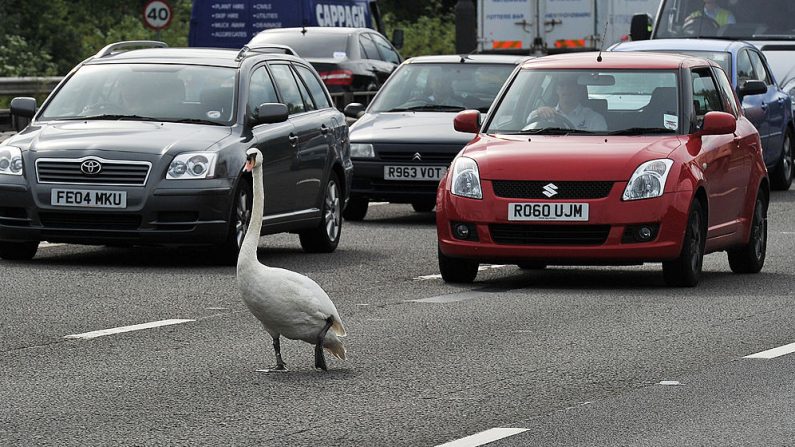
(277, 348)
(320, 359)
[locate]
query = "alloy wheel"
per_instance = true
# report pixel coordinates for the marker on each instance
(333, 213)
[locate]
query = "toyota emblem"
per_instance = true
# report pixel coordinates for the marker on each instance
(91, 167)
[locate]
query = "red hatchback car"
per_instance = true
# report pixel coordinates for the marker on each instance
(614, 160)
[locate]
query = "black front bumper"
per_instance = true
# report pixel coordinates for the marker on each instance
(190, 214)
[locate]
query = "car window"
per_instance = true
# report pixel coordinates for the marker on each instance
(291, 94)
(315, 87)
(260, 91)
(368, 47)
(626, 102)
(313, 44)
(727, 94)
(167, 92)
(437, 87)
(745, 70)
(308, 102)
(706, 97)
(387, 52)
(759, 68)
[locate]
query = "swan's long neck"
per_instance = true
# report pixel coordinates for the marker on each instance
(248, 251)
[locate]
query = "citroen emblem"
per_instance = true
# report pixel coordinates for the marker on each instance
(550, 189)
(91, 167)
(416, 157)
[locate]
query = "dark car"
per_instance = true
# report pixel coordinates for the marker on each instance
(147, 146)
(404, 142)
(347, 59)
(765, 104)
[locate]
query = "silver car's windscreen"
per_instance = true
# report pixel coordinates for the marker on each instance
(442, 87)
(584, 101)
(735, 19)
(178, 93)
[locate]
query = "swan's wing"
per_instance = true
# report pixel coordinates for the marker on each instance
(308, 294)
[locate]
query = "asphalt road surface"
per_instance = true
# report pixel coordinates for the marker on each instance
(604, 356)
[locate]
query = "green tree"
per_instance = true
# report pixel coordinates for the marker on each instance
(430, 33)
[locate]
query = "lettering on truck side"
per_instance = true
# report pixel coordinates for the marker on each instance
(339, 15)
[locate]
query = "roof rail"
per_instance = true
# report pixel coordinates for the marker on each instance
(109, 49)
(265, 49)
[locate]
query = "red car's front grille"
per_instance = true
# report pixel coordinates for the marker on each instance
(518, 234)
(518, 189)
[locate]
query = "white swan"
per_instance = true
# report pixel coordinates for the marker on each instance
(285, 302)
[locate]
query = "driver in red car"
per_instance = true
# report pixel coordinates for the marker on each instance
(711, 9)
(571, 95)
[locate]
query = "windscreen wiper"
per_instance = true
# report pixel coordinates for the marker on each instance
(642, 131)
(428, 108)
(194, 121)
(552, 131)
(117, 117)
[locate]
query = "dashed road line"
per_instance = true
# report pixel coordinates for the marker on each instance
(484, 437)
(49, 244)
(119, 330)
(773, 353)
(480, 269)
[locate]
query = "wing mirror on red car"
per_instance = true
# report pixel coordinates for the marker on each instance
(718, 123)
(467, 121)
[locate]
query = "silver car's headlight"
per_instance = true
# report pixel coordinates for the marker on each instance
(10, 160)
(466, 179)
(648, 181)
(192, 166)
(362, 150)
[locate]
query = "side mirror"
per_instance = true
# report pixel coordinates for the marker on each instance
(467, 121)
(354, 110)
(269, 113)
(718, 123)
(751, 87)
(640, 27)
(397, 38)
(22, 111)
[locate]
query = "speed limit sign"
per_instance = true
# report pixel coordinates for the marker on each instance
(157, 14)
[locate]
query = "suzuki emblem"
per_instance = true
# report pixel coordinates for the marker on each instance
(416, 157)
(91, 167)
(550, 190)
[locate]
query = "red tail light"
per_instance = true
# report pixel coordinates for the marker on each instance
(337, 77)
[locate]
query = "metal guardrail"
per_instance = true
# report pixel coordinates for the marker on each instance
(26, 86)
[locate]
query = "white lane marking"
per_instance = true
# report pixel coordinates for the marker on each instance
(118, 330)
(49, 244)
(480, 269)
(451, 298)
(484, 437)
(773, 353)
(378, 203)
(669, 383)
(788, 232)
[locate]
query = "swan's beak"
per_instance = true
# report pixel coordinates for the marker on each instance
(249, 166)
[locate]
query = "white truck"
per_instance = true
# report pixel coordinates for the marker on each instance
(550, 26)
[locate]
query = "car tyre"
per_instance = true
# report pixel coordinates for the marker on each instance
(781, 175)
(423, 206)
(456, 270)
(356, 208)
(531, 265)
(326, 236)
(239, 218)
(19, 251)
(685, 270)
(751, 257)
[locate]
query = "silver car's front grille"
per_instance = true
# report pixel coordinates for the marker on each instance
(92, 171)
